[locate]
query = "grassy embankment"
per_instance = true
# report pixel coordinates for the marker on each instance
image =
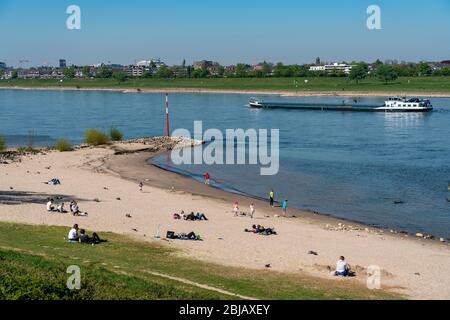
(34, 259)
(402, 85)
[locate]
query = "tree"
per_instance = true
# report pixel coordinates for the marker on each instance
(163, 72)
(69, 72)
(445, 71)
(105, 72)
(200, 73)
(386, 73)
(120, 76)
(86, 71)
(424, 69)
(14, 74)
(358, 72)
(242, 70)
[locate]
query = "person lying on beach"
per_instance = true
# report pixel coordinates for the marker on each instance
(201, 217)
(342, 268)
(190, 217)
(50, 207)
(258, 229)
(84, 238)
(73, 234)
(53, 182)
(183, 236)
(189, 236)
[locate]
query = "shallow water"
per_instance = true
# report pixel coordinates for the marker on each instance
(389, 170)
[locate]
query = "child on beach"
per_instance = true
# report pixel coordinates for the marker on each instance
(140, 186)
(207, 177)
(236, 209)
(285, 207)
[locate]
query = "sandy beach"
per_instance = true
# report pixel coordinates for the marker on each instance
(286, 93)
(106, 186)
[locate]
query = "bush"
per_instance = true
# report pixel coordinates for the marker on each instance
(63, 145)
(115, 134)
(95, 137)
(2, 144)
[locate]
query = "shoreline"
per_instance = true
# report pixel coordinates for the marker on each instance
(168, 179)
(285, 93)
(103, 179)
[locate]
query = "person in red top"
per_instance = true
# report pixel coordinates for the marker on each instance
(207, 177)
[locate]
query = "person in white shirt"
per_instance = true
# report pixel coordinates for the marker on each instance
(236, 209)
(50, 206)
(60, 208)
(252, 210)
(73, 234)
(342, 268)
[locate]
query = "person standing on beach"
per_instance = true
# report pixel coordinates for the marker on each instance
(271, 197)
(252, 210)
(236, 209)
(285, 202)
(141, 185)
(207, 177)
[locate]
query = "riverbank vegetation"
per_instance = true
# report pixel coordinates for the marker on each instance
(402, 85)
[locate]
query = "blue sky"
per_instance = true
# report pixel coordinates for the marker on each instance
(226, 31)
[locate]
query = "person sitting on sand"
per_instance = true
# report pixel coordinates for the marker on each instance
(60, 208)
(76, 210)
(236, 209)
(50, 206)
(342, 268)
(84, 238)
(73, 234)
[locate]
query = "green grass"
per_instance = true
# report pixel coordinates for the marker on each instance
(2, 144)
(33, 262)
(403, 85)
(63, 145)
(95, 137)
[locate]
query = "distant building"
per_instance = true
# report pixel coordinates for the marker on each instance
(203, 64)
(346, 68)
(62, 63)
